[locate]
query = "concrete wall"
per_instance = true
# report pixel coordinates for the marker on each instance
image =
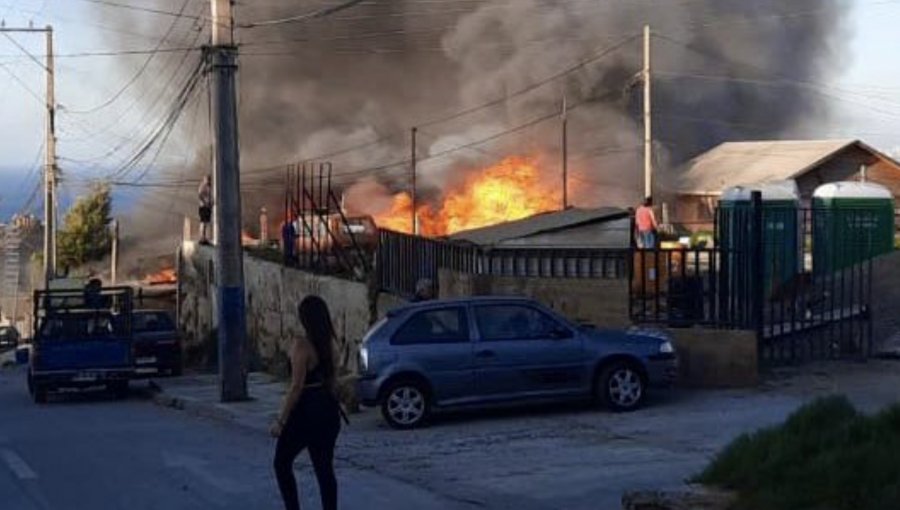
(885, 299)
(710, 358)
(600, 302)
(273, 294)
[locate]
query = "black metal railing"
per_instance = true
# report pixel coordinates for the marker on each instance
(402, 260)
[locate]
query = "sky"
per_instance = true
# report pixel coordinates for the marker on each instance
(865, 91)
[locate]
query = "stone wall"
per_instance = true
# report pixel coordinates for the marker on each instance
(273, 294)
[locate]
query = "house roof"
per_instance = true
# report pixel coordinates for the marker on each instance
(742, 163)
(538, 224)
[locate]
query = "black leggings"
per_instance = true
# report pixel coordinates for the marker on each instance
(314, 424)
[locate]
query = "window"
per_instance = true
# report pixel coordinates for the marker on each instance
(444, 326)
(515, 322)
(152, 322)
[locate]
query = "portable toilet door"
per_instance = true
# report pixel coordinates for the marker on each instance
(782, 234)
(852, 222)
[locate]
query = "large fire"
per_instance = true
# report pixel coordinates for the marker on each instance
(508, 191)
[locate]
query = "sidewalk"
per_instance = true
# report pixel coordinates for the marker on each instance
(199, 395)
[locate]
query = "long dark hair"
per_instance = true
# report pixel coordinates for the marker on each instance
(316, 320)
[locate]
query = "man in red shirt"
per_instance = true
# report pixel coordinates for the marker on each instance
(645, 222)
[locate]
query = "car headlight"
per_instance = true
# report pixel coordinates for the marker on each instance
(666, 348)
(363, 360)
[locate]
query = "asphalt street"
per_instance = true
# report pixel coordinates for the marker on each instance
(90, 452)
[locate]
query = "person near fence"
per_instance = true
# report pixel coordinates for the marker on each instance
(646, 225)
(424, 291)
(310, 416)
(288, 241)
(204, 196)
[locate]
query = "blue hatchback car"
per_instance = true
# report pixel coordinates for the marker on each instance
(483, 351)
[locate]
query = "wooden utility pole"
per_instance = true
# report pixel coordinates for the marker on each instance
(232, 322)
(412, 182)
(648, 118)
(114, 257)
(565, 154)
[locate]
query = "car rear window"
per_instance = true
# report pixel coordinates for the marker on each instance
(440, 326)
(79, 327)
(152, 322)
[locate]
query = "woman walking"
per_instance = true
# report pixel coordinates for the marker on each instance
(311, 415)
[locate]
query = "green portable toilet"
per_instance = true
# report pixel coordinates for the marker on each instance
(782, 233)
(852, 222)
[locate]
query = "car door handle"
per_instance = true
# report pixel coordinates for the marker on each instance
(485, 354)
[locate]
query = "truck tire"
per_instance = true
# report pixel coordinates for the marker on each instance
(38, 392)
(119, 389)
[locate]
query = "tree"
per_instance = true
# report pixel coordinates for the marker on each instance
(85, 235)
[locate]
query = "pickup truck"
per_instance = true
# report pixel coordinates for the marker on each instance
(82, 339)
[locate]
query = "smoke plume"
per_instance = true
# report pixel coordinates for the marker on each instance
(722, 71)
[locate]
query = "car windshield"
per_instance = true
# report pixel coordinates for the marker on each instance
(79, 327)
(152, 322)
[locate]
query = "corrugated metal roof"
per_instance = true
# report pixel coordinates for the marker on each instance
(541, 223)
(742, 163)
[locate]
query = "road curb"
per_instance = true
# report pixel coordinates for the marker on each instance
(197, 408)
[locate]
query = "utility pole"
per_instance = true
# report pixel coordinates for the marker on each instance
(412, 181)
(565, 154)
(232, 322)
(50, 166)
(114, 257)
(648, 118)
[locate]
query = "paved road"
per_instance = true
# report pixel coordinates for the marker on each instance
(94, 452)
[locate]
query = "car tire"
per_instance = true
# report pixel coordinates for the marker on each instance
(119, 389)
(38, 392)
(406, 404)
(620, 387)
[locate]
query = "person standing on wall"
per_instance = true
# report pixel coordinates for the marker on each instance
(646, 225)
(204, 195)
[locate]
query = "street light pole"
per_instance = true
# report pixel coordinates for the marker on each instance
(232, 322)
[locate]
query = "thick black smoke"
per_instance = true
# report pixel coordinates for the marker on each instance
(723, 70)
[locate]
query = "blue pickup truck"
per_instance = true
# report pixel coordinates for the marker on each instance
(82, 339)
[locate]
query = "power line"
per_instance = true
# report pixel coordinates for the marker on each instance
(107, 3)
(319, 13)
(180, 15)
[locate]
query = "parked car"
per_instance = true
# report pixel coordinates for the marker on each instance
(157, 343)
(481, 351)
(9, 338)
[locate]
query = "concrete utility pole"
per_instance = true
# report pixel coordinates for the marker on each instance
(114, 257)
(565, 154)
(232, 322)
(412, 182)
(648, 118)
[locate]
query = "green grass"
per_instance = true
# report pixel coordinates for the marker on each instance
(826, 456)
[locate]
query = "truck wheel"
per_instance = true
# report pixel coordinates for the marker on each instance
(38, 392)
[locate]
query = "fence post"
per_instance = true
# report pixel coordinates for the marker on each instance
(757, 268)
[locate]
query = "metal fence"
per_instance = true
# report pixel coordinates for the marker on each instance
(402, 260)
(800, 278)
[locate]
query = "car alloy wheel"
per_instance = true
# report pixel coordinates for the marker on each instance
(405, 406)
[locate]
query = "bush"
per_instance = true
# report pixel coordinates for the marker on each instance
(825, 456)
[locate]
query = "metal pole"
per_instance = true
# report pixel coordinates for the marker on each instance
(648, 118)
(114, 269)
(413, 187)
(50, 169)
(232, 330)
(565, 154)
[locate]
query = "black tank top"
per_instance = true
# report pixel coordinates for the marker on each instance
(315, 377)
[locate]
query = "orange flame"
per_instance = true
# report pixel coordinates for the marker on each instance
(508, 191)
(163, 277)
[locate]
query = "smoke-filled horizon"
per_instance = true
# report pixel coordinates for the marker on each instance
(373, 71)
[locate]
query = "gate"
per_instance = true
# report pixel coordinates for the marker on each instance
(800, 278)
